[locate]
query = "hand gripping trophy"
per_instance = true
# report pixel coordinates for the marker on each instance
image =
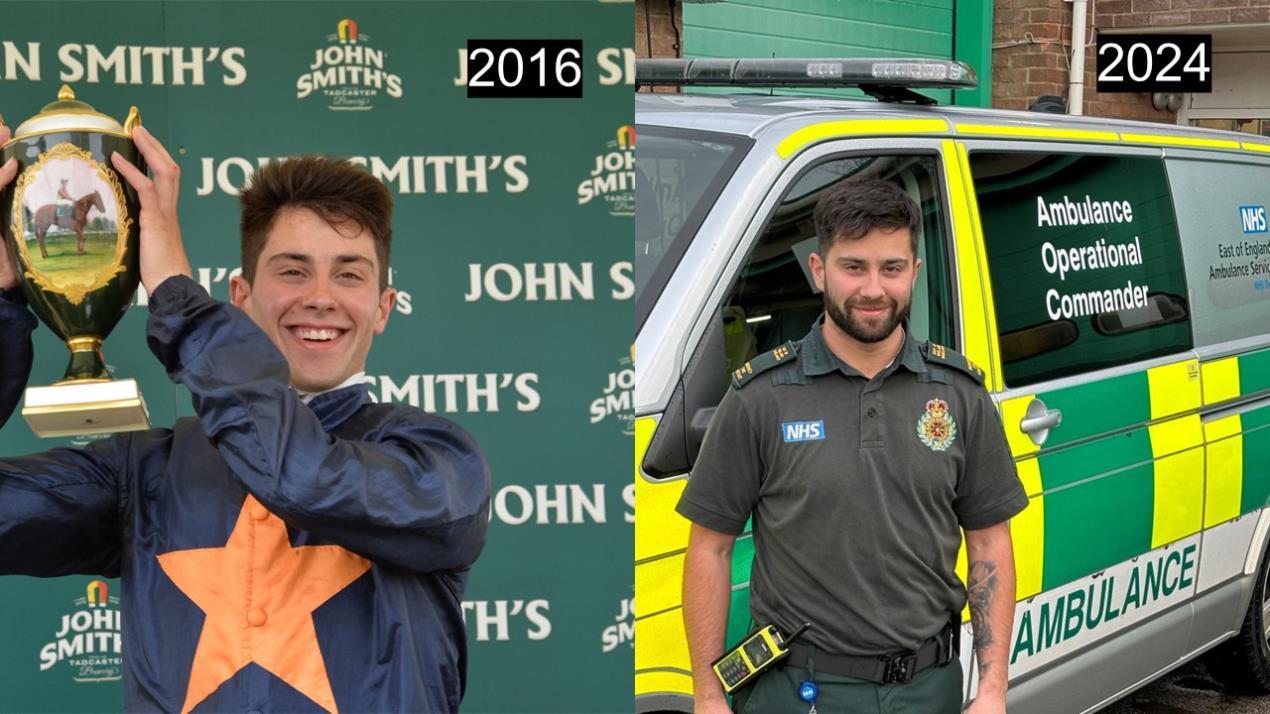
(70, 230)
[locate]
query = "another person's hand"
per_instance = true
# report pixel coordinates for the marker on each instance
(162, 253)
(8, 277)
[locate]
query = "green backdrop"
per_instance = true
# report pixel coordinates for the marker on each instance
(535, 363)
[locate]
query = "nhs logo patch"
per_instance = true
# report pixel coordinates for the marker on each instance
(1253, 219)
(802, 430)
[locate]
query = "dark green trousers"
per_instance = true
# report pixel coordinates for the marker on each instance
(935, 690)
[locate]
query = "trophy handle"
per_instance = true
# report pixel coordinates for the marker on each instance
(86, 360)
(133, 120)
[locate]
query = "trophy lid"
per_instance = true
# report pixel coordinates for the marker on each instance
(71, 114)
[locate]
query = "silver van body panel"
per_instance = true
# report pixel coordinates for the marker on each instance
(1104, 667)
(756, 115)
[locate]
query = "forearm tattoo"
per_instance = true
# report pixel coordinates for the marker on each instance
(980, 590)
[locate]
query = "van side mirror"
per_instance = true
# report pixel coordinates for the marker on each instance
(677, 441)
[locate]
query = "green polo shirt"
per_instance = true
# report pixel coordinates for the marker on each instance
(858, 488)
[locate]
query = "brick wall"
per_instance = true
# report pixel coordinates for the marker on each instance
(1114, 14)
(1030, 40)
(654, 15)
(655, 35)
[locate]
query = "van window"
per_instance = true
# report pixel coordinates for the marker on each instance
(1085, 262)
(678, 175)
(1222, 212)
(774, 299)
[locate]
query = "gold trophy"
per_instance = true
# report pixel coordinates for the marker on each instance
(69, 222)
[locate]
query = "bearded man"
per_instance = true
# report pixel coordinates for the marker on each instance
(861, 454)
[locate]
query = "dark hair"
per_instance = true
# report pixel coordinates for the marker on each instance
(850, 209)
(341, 193)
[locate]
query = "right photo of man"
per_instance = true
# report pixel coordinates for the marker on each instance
(952, 348)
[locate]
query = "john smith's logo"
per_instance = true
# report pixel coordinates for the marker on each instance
(615, 401)
(348, 71)
(87, 642)
(98, 594)
(622, 629)
(803, 430)
(613, 176)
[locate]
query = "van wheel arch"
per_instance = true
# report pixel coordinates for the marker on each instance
(1242, 663)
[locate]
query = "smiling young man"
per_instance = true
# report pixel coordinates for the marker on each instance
(311, 277)
(294, 547)
(861, 455)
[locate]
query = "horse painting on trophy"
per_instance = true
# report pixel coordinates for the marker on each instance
(71, 216)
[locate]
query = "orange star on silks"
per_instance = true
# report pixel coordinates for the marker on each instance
(258, 593)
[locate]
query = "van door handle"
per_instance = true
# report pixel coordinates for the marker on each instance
(1038, 420)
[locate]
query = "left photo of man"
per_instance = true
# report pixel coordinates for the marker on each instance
(346, 296)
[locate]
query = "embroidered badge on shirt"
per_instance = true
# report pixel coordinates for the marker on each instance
(803, 430)
(936, 428)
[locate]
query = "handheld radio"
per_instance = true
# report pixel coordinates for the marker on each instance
(758, 651)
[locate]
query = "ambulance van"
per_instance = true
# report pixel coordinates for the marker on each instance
(1111, 278)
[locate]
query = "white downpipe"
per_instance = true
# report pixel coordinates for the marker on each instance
(1076, 83)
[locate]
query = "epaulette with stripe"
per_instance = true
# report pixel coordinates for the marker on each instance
(762, 363)
(938, 354)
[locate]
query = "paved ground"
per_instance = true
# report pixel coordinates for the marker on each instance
(1187, 690)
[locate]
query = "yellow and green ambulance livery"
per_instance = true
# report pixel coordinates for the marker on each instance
(1111, 278)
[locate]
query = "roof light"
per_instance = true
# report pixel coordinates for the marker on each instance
(887, 79)
(941, 71)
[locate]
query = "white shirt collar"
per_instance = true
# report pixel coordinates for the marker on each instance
(358, 378)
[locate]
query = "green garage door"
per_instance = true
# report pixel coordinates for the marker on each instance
(944, 29)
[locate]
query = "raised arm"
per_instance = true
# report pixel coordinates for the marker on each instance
(59, 511)
(16, 325)
(408, 490)
(415, 494)
(16, 322)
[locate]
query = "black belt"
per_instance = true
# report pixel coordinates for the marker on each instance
(883, 669)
